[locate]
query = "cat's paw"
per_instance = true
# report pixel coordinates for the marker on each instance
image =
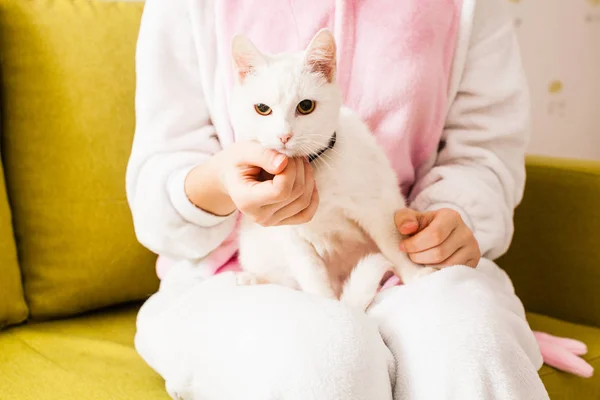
(360, 301)
(424, 271)
(323, 290)
(246, 278)
(416, 273)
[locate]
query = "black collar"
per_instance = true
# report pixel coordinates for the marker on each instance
(312, 157)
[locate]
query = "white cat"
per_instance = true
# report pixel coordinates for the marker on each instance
(352, 238)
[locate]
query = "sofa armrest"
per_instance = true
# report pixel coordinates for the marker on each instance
(554, 259)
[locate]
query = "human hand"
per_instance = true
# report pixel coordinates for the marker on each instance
(437, 238)
(287, 196)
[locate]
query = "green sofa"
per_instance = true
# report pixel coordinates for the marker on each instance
(72, 275)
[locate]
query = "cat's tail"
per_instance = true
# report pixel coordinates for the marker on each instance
(364, 281)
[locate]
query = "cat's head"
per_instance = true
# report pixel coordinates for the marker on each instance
(286, 102)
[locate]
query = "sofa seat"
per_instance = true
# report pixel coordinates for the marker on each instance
(92, 357)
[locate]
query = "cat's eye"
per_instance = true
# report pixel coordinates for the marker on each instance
(306, 107)
(263, 109)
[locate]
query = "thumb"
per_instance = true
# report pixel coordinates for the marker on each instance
(407, 221)
(253, 154)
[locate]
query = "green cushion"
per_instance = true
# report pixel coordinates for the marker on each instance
(12, 304)
(86, 358)
(68, 121)
(92, 358)
(554, 259)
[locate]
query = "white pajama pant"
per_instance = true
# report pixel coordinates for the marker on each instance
(460, 333)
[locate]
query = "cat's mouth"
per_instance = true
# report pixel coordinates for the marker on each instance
(293, 150)
(289, 150)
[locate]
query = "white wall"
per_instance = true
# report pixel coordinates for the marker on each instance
(560, 42)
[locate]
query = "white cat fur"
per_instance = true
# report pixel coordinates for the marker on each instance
(352, 237)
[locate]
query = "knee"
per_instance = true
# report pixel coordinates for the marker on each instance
(336, 352)
(454, 301)
(473, 301)
(459, 320)
(466, 294)
(460, 306)
(265, 343)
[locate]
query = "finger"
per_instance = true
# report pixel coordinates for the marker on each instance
(296, 206)
(309, 179)
(309, 175)
(463, 256)
(407, 221)
(441, 252)
(409, 227)
(435, 233)
(254, 155)
(305, 215)
(298, 189)
(303, 186)
(277, 190)
(283, 183)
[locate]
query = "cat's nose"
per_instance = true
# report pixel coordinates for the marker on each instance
(285, 138)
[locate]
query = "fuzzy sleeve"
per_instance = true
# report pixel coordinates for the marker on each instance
(173, 134)
(480, 169)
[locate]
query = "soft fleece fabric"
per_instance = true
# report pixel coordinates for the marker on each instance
(456, 334)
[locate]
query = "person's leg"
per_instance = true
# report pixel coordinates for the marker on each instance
(211, 340)
(460, 333)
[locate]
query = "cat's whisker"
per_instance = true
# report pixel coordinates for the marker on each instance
(326, 159)
(304, 149)
(308, 147)
(322, 159)
(333, 150)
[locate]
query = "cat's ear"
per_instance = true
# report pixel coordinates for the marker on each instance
(246, 57)
(320, 55)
